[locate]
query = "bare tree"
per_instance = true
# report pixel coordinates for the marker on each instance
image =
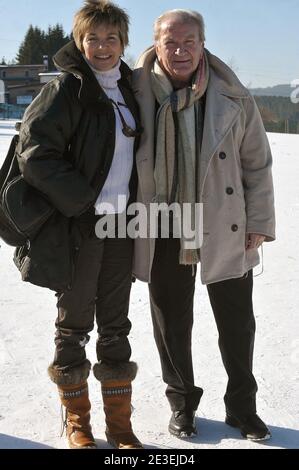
(130, 60)
(233, 64)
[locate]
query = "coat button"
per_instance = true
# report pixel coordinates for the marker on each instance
(222, 155)
(102, 172)
(235, 228)
(229, 191)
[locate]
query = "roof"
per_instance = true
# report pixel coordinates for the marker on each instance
(49, 74)
(13, 66)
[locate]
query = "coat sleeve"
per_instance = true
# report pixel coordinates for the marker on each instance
(45, 135)
(256, 161)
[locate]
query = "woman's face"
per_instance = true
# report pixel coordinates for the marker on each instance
(102, 47)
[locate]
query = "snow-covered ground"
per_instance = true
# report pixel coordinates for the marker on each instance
(30, 410)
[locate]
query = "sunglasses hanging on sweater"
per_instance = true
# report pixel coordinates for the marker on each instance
(126, 130)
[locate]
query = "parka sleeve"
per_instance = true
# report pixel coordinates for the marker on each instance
(45, 135)
(256, 161)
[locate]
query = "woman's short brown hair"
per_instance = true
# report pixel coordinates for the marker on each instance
(97, 12)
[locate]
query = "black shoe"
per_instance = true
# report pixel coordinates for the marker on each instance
(251, 427)
(182, 424)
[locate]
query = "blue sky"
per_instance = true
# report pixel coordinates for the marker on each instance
(259, 37)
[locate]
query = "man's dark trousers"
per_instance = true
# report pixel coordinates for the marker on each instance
(171, 294)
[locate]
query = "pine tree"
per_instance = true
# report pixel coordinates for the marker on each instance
(38, 43)
(31, 50)
(3, 61)
(55, 38)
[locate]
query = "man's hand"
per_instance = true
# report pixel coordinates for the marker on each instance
(254, 241)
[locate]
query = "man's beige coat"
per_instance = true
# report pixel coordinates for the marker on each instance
(235, 156)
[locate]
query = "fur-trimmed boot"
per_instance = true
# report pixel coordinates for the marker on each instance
(116, 392)
(73, 392)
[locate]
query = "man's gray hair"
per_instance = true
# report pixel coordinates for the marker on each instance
(183, 16)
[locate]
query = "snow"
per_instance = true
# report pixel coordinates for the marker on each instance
(30, 410)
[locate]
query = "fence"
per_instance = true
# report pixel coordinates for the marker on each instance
(289, 126)
(10, 111)
(285, 126)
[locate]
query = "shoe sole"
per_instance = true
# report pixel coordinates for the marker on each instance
(82, 448)
(258, 439)
(234, 424)
(183, 434)
(114, 444)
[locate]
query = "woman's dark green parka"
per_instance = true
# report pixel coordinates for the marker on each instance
(65, 150)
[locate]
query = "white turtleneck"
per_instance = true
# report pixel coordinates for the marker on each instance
(117, 182)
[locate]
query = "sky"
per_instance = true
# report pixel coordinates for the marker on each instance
(258, 38)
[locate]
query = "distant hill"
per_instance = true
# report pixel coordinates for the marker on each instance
(279, 114)
(278, 90)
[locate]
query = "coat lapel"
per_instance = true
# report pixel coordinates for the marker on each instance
(221, 113)
(146, 100)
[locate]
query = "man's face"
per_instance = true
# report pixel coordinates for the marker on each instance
(179, 49)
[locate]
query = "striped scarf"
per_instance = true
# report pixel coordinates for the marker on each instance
(179, 134)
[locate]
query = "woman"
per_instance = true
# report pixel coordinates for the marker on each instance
(77, 146)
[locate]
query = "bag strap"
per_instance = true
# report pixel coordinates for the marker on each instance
(10, 164)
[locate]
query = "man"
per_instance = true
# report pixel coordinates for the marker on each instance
(203, 141)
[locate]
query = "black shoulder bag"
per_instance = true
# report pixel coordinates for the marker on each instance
(23, 209)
